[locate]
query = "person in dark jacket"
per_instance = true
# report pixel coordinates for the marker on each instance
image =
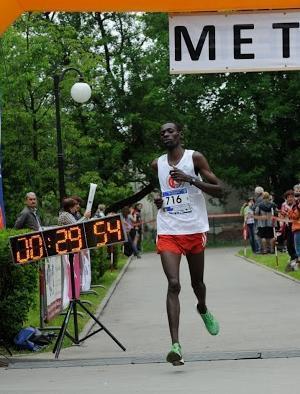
(265, 223)
(29, 217)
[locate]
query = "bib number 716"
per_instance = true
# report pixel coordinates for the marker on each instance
(172, 200)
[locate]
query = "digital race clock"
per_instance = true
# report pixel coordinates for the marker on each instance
(67, 239)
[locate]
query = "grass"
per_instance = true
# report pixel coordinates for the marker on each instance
(107, 280)
(149, 244)
(269, 260)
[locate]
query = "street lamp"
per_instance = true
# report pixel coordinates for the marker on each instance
(80, 92)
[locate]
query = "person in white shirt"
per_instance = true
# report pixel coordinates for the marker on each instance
(182, 225)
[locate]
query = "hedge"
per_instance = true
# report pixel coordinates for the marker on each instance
(18, 287)
(100, 261)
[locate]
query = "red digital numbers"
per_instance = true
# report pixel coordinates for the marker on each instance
(117, 230)
(70, 240)
(99, 230)
(30, 249)
(105, 231)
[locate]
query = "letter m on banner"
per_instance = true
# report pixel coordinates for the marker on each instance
(181, 32)
(2, 212)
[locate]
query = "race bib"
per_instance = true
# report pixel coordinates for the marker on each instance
(176, 201)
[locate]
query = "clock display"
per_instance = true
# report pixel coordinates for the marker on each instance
(67, 239)
(103, 232)
(64, 240)
(28, 248)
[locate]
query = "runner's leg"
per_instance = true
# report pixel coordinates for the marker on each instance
(196, 267)
(171, 262)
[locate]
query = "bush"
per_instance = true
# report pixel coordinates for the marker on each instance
(18, 287)
(100, 261)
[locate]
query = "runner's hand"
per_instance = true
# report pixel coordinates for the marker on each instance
(179, 175)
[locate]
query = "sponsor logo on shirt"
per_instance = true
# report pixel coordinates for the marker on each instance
(172, 183)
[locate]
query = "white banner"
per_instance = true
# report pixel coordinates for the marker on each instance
(85, 270)
(66, 281)
(234, 42)
(53, 281)
(91, 196)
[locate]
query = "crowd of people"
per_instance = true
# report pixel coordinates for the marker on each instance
(71, 212)
(269, 225)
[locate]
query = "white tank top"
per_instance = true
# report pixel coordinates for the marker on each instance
(184, 209)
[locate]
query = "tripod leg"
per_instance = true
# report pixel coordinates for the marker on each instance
(76, 334)
(101, 325)
(62, 332)
(74, 298)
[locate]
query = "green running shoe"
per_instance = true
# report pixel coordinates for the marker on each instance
(175, 355)
(210, 322)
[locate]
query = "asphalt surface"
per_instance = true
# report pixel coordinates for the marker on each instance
(257, 350)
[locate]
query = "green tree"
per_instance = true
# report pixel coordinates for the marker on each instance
(246, 124)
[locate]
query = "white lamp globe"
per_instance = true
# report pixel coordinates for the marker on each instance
(81, 92)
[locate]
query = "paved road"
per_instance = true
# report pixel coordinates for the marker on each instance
(257, 350)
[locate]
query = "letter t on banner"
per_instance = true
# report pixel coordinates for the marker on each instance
(2, 212)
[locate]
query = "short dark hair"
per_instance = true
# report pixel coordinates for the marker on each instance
(125, 211)
(178, 126)
(68, 203)
(289, 193)
(78, 199)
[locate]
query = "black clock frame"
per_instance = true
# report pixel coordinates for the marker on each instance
(89, 234)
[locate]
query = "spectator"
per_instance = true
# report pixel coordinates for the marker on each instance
(297, 190)
(286, 227)
(265, 225)
(68, 212)
(258, 197)
(79, 204)
(130, 231)
(100, 211)
(29, 217)
(294, 214)
(134, 217)
(242, 209)
(138, 225)
(249, 221)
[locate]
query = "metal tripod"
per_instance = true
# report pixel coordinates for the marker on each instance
(72, 308)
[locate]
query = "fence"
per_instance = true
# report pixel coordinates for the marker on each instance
(225, 229)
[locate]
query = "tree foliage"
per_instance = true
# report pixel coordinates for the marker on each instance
(246, 124)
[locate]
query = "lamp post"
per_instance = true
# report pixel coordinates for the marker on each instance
(80, 92)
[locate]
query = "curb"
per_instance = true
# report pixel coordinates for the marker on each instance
(269, 268)
(91, 323)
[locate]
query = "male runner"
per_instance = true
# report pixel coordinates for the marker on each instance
(182, 224)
